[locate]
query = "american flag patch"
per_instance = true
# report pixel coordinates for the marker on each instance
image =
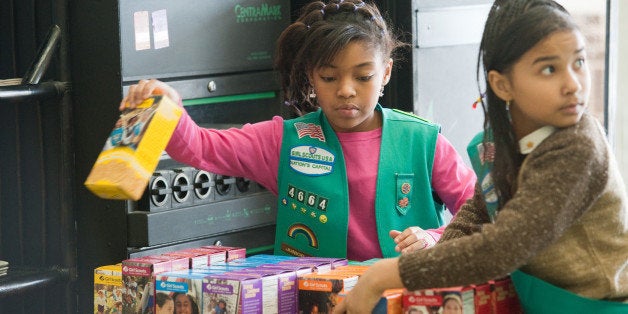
(486, 152)
(310, 129)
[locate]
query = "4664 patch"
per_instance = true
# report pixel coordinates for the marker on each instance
(310, 199)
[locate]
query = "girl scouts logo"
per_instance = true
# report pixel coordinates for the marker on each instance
(490, 195)
(488, 189)
(311, 160)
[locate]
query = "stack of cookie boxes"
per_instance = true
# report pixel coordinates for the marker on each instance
(222, 277)
(493, 297)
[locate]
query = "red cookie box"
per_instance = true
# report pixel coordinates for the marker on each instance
(199, 257)
(483, 299)
(232, 252)
(504, 296)
(138, 279)
(437, 299)
(177, 262)
(493, 297)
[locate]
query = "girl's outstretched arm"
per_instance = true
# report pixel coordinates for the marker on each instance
(380, 276)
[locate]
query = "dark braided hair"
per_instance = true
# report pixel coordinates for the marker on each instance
(318, 35)
(512, 28)
(161, 298)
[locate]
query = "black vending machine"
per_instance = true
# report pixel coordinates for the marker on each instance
(218, 55)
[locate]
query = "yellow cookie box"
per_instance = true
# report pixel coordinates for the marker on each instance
(133, 149)
(108, 288)
(108, 275)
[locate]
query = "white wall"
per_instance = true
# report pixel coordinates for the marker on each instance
(621, 110)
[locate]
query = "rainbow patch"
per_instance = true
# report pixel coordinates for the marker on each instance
(301, 229)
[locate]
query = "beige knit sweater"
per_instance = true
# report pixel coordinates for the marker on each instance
(567, 224)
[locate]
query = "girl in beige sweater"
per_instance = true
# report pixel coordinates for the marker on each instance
(552, 211)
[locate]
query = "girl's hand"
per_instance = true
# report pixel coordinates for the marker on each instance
(368, 290)
(411, 239)
(144, 89)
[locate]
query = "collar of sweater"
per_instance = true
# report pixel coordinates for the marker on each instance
(529, 142)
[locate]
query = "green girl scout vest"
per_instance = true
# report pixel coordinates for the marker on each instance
(536, 296)
(313, 202)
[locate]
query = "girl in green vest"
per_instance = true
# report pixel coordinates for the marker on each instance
(353, 179)
(550, 204)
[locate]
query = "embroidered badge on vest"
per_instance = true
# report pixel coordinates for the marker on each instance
(404, 192)
(304, 232)
(486, 152)
(486, 156)
(309, 129)
(311, 160)
(312, 201)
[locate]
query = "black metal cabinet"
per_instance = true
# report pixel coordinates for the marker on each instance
(217, 54)
(36, 227)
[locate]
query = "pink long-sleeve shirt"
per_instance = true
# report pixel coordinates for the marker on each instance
(253, 152)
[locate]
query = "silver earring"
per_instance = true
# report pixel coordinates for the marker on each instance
(507, 105)
(312, 93)
(381, 92)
